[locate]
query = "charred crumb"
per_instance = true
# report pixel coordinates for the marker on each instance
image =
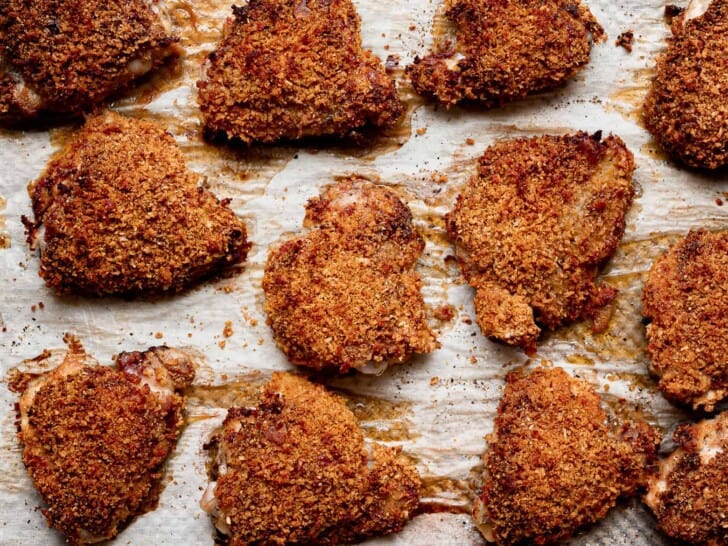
(625, 40)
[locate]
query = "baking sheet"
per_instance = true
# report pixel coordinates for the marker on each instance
(437, 407)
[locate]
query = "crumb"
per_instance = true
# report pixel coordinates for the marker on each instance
(469, 141)
(228, 330)
(625, 40)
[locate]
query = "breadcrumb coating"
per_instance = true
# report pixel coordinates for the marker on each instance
(690, 495)
(289, 69)
(346, 294)
(95, 438)
(534, 226)
(686, 298)
(123, 214)
(70, 55)
(296, 471)
(685, 109)
(506, 50)
(554, 463)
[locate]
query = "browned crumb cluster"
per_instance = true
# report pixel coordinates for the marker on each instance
(506, 50)
(297, 472)
(123, 215)
(625, 40)
(690, 495)
(533, 227)
(686, 298)
(95, 438)
(345, 293)
(686, 109)
(289, 69)
(553, 464)
(68, 55)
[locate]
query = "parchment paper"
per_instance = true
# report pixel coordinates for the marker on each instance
(438, 407)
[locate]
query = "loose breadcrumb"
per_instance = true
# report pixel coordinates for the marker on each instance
(123, 214)
(288, 69)
(686, 298)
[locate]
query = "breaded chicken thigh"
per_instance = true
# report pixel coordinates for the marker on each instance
(534, 226)
(123, 214)
(70, 55)
(690, 495)
(686, 109)
(554, 463)
(506, 49)
(96, 438)
(345, 294)
(295, 470)
(686, 299)
(289, 69)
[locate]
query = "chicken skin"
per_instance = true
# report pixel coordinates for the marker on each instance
(506, 50)
(553, 462)
(289, 69)
(534, 226)
(686, 299)
(295, 470)
(690, 495)
(123, 215)
(685, 108)
(67, 56)
(345, 294)
(96, 438)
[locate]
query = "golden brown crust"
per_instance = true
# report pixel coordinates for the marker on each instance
(296, 472)
(346, 293)
(534, 226)
(553, 464)
(690, 495)
(686, 298)
(685, 108)
(95, 441)
(123, 215)
(506, 49)
(289, 69)
(75, 53)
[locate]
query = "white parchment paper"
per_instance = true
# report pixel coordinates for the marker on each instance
(438, 407)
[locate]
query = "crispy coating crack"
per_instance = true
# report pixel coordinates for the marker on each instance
(506, 49)
(123, 214)
(553, 462)
(95, 438)
(690, 495)
(70, 55)
(295, 470)
(534, 226)
(289, 69)
(686, 299)
(345, 294)
(685, 109)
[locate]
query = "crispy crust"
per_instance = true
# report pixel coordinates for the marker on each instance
(346, 293)
(685, 108)
(553, 464)
(96, 442)
(289, 69)
(75, 53)
(690, 495)
(296, 472)
(123, 215)
(533, 227)
(686, 298)
(506, 50)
